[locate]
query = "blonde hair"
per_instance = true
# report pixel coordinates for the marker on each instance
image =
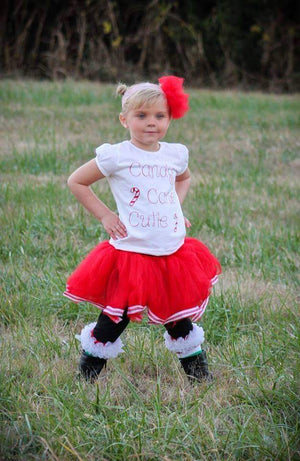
(139, 94)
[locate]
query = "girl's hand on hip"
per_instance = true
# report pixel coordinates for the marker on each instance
(113, 226)
(187, 222)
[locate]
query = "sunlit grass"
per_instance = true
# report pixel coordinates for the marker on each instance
(244, 156)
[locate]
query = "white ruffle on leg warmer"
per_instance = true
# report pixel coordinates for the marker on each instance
(188, 345)
(102, 350)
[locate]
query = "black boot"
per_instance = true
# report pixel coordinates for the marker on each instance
(196, 367)
(90, 367)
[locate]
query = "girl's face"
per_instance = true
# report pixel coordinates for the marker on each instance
(147, 124)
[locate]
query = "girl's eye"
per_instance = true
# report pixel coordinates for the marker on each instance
(140, 115)
(160, 116)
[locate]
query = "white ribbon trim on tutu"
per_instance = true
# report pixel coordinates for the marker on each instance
(195, 313)
(108, 310)
(184, 346)
(89, 343)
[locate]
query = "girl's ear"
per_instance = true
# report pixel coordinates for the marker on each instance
(123, 120)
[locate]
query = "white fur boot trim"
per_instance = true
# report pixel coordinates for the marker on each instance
(185, 346)
(102, 350)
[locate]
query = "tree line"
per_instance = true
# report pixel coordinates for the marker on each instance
(215, 43)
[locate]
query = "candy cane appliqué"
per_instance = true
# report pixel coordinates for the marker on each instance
(137, 193)
(175, 222)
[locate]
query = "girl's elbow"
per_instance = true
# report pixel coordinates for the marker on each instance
(70, 182)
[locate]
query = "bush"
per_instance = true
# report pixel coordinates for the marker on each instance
(212, 43)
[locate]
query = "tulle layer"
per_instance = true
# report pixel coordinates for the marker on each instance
(169, 287)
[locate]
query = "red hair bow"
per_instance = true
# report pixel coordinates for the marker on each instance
(178, 101)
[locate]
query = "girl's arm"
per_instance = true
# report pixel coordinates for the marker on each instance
(79, 182)
(182, 186)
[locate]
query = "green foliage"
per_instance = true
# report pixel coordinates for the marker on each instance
(244, 160)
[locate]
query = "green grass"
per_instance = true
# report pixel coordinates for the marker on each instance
(244, 156)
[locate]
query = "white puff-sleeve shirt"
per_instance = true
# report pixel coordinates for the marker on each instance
(143, 186)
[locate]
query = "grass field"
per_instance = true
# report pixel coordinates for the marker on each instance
(245, 161)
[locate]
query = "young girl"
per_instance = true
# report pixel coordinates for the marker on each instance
(148, 264)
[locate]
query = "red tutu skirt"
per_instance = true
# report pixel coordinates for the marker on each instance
(169, 287)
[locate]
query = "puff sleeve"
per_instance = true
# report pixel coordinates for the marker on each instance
(107, 159)
(183, 158)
